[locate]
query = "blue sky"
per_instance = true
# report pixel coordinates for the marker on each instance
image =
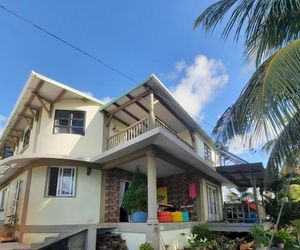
(136, 37)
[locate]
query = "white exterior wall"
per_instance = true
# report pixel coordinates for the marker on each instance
(71, 144)
(84, 208)
(134, 240)
(174, 239)
(199, 141)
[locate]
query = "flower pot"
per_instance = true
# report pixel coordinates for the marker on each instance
(7, 234)
(139, 217)
(280, 245)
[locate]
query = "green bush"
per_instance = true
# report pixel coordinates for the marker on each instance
(261, 236)
(202, 231)
(284, 236)
(135, 198)
(146, 246)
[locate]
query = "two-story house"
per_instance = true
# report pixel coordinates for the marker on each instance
(67, 159)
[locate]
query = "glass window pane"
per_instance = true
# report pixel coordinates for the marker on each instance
(62, 122)
(62, 114)
(77, 123)
(59, 130)
(79, 115)
(78, 131)
(67, 181)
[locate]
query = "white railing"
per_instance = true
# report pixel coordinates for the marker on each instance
(137, 129)
(128, 134)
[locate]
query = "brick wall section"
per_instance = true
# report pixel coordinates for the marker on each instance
(178, 190)
(112, 186)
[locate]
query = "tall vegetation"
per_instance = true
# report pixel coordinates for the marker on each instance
(269, 106)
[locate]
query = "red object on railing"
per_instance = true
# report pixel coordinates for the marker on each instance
(164, 216)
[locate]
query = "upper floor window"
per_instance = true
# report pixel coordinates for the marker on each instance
(61, 181)
(7, 152)
(69, 122)
(207, 152)
(26, 137)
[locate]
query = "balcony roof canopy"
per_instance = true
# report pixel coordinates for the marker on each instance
(133, 106)
(242, 175)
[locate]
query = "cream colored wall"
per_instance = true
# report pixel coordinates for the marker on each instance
(204, 201)
(199, 141)
(12, 187)
(119, 126)
(71, 144)
(84, 208)
(185, 135)
(133, 240)
(174, 239)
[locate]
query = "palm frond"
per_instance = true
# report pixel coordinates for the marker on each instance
(286, 148)
(269, 100)
(268, 25)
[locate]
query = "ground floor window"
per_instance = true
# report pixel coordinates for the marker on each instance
(3, 200)
(212, 203)
(61, 181)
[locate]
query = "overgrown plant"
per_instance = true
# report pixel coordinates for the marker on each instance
(284, 235)
(261, 236)
(146, 246)
(135, 198)
(202, 231)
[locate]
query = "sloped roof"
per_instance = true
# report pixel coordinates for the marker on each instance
(46, 88)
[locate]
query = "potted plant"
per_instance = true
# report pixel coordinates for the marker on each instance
(8, 230)
(261, 237)
(135, 198)
(284, 236)
(195, 242)
(146, 246)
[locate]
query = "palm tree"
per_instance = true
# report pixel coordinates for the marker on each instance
(269, 105)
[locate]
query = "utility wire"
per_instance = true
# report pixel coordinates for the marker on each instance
(67, 43)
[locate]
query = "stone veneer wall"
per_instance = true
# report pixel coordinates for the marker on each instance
(178, 191)
(112, 186)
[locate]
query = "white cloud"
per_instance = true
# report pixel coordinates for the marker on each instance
(3, 120)
(106, 99)
(199, 83)
(88, 93)
(238, 145)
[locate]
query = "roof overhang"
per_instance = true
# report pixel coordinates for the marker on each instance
(242, 175)
(166, 105)
(12, 165)
(38, 92)
(173, 149)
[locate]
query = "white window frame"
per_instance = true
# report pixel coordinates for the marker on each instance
(215, 203)
(3, 200)
(60, 176)
(207, 152)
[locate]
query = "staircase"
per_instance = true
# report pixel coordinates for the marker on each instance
(110, 241)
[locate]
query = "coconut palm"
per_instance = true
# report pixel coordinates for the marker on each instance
(269, 106)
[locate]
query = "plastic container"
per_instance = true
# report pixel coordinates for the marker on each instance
(164, 216)
(177, 216)
(185, 216)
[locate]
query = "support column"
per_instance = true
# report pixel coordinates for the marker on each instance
(255, 197)
(91, 238)
(151, 112)
(152, 188)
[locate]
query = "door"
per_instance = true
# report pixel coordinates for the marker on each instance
(212, 203)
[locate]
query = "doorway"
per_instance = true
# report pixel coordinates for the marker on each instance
(123, 188)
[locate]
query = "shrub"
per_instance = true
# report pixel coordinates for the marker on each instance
(284, 236)
(202, 231)
(261, 236)
(146, 246)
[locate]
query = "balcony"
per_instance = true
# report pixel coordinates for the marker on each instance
(137, 129)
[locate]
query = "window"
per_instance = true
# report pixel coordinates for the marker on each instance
(7, 152)
(61, 181)
(3, 200)
(26, 137)
(212, 203)
(69, 122)
(207, 152)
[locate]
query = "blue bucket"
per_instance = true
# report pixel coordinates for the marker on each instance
(139, 217)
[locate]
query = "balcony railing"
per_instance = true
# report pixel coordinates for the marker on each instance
(137, 129)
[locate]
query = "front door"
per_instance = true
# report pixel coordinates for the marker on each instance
(212, 203)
